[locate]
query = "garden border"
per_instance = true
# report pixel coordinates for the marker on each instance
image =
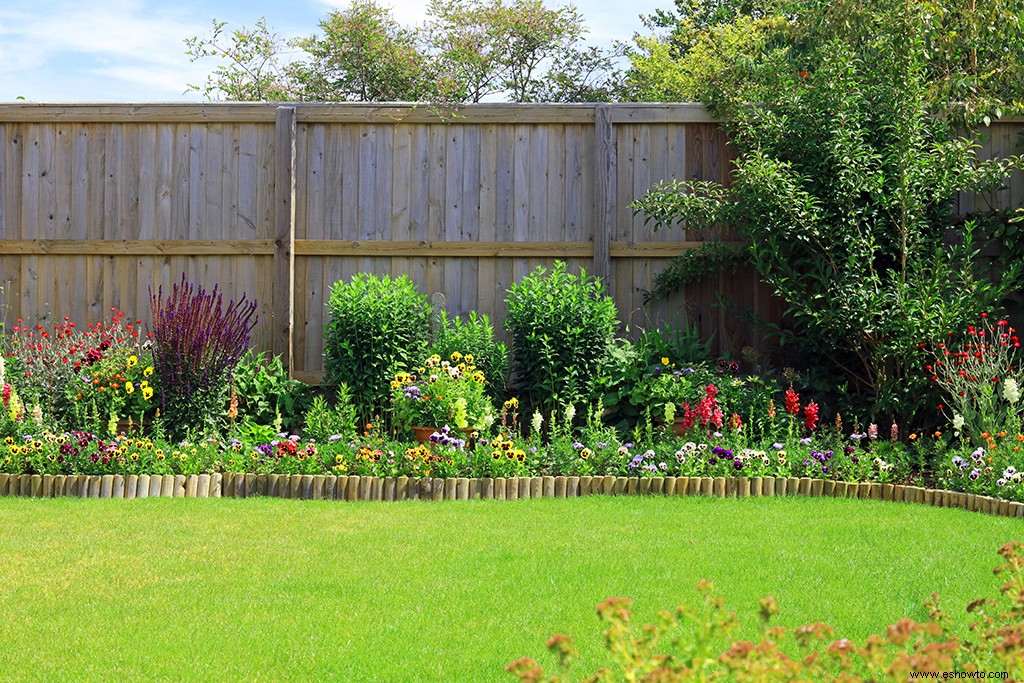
(352, 488)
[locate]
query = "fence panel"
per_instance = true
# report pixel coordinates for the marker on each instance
(100, 202)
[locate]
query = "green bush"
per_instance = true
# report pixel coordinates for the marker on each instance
(265, 393)
(474, 336)
(378, 326)
(324, 421)
(562, 327)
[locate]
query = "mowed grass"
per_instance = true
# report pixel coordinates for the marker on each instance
(194, 589)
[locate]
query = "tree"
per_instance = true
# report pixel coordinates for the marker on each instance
(253, 71)
(468, 50)
(842, 188)
(363, 55)
(972, 52)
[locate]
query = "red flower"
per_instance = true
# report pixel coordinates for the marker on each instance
(792, 402)
(811, 415)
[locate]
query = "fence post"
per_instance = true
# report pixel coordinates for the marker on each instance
(284, 236)
(606, 160)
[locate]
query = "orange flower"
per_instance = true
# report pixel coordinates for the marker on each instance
(1002, 435)
(937, 434)
(1020, 437)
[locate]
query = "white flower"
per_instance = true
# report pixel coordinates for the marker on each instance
(1011, 392)
(37, 415)
(570, 414)
(538, 421)
(958, 423)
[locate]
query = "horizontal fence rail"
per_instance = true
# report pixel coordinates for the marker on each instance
(99, 203)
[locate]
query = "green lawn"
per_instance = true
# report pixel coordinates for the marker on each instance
(222, 589)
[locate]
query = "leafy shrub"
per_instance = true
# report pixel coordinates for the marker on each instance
(324, 421)
(842, 188)
(671, 651)
(264, 392)
(474, 336)
(378, 327)
(563, 328)
(198, 342)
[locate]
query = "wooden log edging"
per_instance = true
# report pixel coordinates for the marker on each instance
(356, 488)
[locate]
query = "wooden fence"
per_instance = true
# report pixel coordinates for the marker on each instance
(98, 203)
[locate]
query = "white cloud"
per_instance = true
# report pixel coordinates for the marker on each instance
(119, 41)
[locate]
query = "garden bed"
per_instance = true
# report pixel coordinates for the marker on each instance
(352, 488)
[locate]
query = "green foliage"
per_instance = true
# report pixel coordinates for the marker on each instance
(266, 394)
(324, 420)
(972, 67)
(363, 55)
(474, 336)
(562, 328)
(695, 265)
(378, 326)
(629, 370)
(251, 70)
(843, 187)
(466, 50)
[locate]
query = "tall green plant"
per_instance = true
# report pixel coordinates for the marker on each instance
(843, 187)
(378, 326)
(562, 328)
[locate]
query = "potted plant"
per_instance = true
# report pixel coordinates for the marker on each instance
(442, 393)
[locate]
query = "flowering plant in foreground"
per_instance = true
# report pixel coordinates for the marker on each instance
(45, 364)
(198, 342)
(673, 650)
(982, 378)
(122, 384)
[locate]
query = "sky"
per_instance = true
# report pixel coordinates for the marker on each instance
(133, 50)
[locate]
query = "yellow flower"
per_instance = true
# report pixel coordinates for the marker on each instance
(456, 356)
(133, 361)
(912, 437)
(469, 358)
(147, 393)
(129, 387)
(148, 371)
(664, 360)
